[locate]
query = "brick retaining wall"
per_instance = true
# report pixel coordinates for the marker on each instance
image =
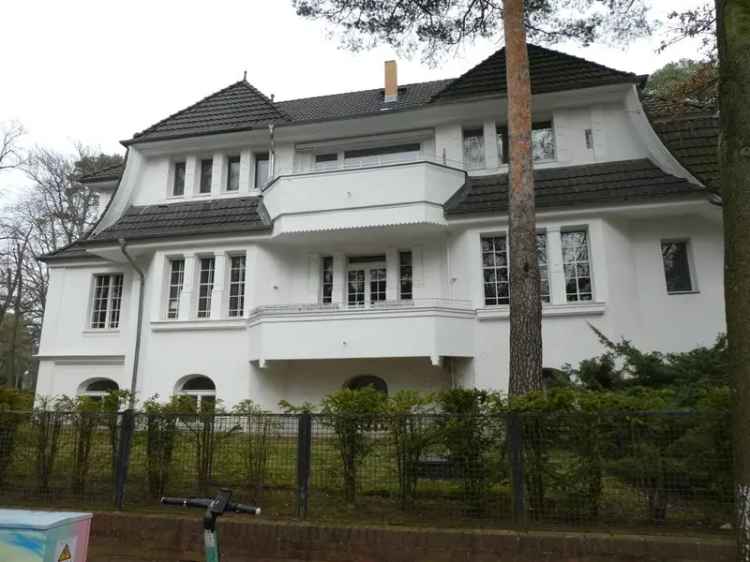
(128, 537)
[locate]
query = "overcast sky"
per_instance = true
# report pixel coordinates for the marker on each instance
(97, 71)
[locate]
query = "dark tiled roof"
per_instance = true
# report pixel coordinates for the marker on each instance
(110, 173)
(338, 106)
(627, 181)
(213, 216)
(238, 107)
(691, 134)
(75, 250)
(550, 71)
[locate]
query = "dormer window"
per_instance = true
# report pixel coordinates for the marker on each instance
(207, 166)
(233, 173)
(178, 186)
(542, 142)
(261, 170)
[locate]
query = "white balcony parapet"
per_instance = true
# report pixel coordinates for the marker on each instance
(391, 193)
(430, 328)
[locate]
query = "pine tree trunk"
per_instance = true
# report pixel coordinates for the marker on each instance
(525, 303)
(733, 26)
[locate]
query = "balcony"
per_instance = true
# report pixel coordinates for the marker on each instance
(376, 194)
(430, 328)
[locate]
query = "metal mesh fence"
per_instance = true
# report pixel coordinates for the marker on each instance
(569, 469)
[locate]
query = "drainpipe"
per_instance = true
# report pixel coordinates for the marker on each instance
(136, 353)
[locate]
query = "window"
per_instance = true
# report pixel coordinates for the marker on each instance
(575, 250)
(541, 256)
(495, 270)
(589, 137)
(105, 312)
(542, 142)
(675, 255)
(326, 282)
(97, 389)
(326, 161)
(176, 277)
(233, 173)
(261, 170)
(474, 149)
(366, 280)
(178, 187)
(356, 287)
(207, 167)
(405, 276)
(237, 286)
(377, 284)
(382, 155)
(201, 391)
(205, 287)
(364, 381)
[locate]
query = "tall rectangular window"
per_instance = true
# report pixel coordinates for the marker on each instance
(205, 287)
(542, 142)
(377, 284)
(176, 278)
(237, 286)
(233, 173)
(495, 270)
(261, 170)
(326, 281)
(577, 266)
(541, 256)
(474, 149)
(105, 310)
(675, 255)
(178, 187)
(207, 167)
(405, 272)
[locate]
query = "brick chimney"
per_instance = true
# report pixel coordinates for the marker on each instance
(391, 81)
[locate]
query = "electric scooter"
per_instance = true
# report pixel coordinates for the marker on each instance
(214, 508)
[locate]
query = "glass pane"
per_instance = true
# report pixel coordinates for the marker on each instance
(543, 142)
(179, 179)
(233, 173)
(474, 149)
(261, 170)
(206, 174)
(676, 266)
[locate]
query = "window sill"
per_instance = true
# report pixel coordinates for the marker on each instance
(101, 331)
(548, 311)
(188, 325)
(677, 293)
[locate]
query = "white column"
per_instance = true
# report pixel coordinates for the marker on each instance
(186, 297)
(490, 145)
(339, 279)
(218, 174)
(217, 294)
(245, 171)
(555, 266)
(391, 274)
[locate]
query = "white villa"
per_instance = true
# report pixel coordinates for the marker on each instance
(289, 248)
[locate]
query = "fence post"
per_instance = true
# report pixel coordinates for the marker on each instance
(123, 456)
(515, 453)
(304, 454)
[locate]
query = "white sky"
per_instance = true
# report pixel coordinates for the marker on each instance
(96, 71)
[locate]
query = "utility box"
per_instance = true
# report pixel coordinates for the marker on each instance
(43, 536)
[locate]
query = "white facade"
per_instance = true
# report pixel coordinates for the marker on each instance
(294, 339)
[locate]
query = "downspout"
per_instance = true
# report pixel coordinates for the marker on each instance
(136, 353)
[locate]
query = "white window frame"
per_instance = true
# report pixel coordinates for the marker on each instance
(199, 395)
(241, 284)
(691, 265)
(173, 179)
(109, 307)
(367, 267)
(323, 284)
(401, 275)
(208, 284)
(494, 267)
(180, 286)
(589, 260)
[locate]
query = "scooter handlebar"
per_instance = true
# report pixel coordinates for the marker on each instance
(205, 502)
(243, 508)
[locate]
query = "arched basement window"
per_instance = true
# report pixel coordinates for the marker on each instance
(201, 390)
(363, 381)
(97, 389)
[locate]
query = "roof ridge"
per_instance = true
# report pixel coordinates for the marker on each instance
(271, 103)
(365, 90)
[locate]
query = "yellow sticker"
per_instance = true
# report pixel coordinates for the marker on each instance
(65, 554)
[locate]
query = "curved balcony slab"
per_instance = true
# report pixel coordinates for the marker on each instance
(402, 193)
(431, 329)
